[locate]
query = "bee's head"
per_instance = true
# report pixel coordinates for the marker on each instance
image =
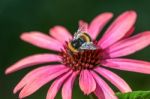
(77, 43)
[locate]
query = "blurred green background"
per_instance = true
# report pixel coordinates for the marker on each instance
(17, 16)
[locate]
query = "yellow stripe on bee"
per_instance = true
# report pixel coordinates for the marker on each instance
(86, 37)
(71, 47)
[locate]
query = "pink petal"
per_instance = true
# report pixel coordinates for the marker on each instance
(99, 93)
(37, 83)
(130, 32)
(118, 29)
(87, 82)
(36, 73)
(98, 23)
(108, 92)
(129, 45)
(114, 79)
(42, 40)
(60, 33)
(32, 60)
(128, 65)
(53, 90)
(68, 86)
(83, 25)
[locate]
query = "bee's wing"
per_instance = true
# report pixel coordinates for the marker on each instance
(88, 46)
(81, 29)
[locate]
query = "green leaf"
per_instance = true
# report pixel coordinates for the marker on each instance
(134, 95)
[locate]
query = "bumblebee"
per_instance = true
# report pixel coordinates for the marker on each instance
(81, 41)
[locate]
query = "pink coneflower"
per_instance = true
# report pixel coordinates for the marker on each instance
(85, 57)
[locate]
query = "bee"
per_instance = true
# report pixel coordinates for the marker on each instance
(81, 41)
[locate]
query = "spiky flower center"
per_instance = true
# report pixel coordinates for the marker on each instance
(86, 59)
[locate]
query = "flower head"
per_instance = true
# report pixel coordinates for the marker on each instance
(84, 56)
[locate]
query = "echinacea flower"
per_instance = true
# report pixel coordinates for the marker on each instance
(88, 64)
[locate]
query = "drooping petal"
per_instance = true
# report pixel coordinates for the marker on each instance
(128, 65)
(98, 23)
(37, 83)
(68, 86)
(60, 33)
(129, 45)
(83, 25)
(42, 40)
(99, 93)
(114, 79)
(33, 60)
(108, 92)
(118, 29)
(87, 82)
(36, 73)
(53, 90)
